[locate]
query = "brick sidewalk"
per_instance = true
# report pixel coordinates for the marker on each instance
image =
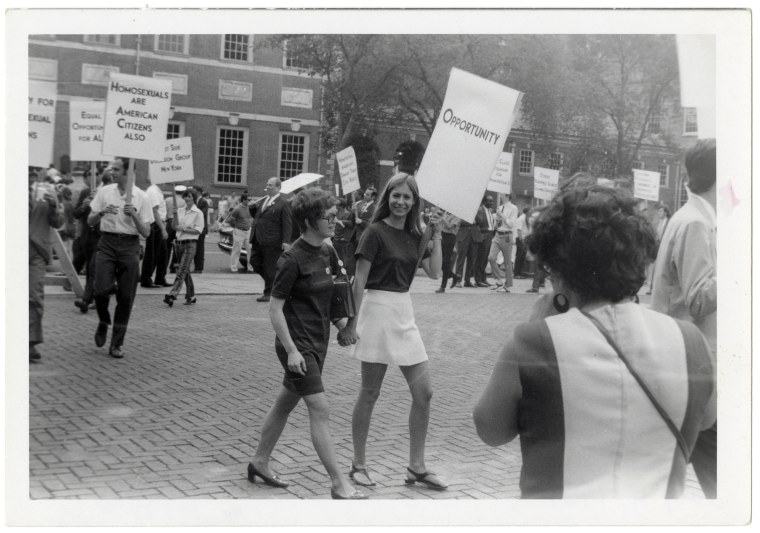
(179, 416)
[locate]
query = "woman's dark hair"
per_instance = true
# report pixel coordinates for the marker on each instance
(190, 192)
(408, 156)
(596, 241)
(383, 210)
(666, 209)
(309, 205)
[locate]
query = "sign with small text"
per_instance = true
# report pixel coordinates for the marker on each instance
(348, 169)
(545, 183)
(86, 120)
(42, 99)
(501, 179)
(177, 163)
(646, 185)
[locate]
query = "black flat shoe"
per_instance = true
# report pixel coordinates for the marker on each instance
(355, 495)
(189, 301)
(273, 481)
(425, 479)
(82, 305)
(100, 334)
(169, 300)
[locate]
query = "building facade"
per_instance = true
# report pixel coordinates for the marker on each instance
(250, 112)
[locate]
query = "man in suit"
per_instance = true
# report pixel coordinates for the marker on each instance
(363, 211)
(485, 245)
(200, 250)
(469, 238)
(686, 282)
(272, 234)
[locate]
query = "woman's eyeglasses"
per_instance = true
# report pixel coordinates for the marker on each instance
(329, 218)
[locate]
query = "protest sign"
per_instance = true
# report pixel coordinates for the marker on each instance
(137, 114)
(42, 98)
(501, 179)
(86, 120)
(646, 185)
(468, 138)
(177, 163)
(349, 170)
(545, 183)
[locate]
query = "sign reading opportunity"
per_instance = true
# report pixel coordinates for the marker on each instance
(137, 113)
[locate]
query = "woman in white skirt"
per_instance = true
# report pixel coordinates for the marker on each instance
(384, 329)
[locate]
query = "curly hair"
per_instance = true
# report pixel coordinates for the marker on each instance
(595, 239)
(311, 204)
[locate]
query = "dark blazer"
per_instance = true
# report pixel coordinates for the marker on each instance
(365, 217)
(274, 226)
(474, 231)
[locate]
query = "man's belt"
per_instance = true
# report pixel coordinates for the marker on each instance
(119, 235)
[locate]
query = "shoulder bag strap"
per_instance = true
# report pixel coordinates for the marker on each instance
(671, 425)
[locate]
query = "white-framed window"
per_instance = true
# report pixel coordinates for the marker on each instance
(690, 125)
(172, 43)
(113, 40)
(237, 47)
(555, 160)
(526, 162)
(654, 125)
(638, 164)
(175, 129)
(231, 155)
(288, 61)
(662, 168)
(294, 152)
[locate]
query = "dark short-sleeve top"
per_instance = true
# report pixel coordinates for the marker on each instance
(304, 279)
(394, 254)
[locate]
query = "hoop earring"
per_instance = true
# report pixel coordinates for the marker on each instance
(561, 303)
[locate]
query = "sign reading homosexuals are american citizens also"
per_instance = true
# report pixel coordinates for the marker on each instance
(646, 185)
(86, 119)
(137, 113)
(545, 183)
(468, 138)
(177, 163)
(501, 179)
(42, 97)
(349, 170)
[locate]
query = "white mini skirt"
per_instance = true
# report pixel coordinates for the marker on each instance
(387, 331)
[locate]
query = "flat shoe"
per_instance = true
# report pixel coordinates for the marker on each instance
(100, 334)
(189, 301)
(115, 352)
(355, 495)
(273, 481)
(366, 482)
(425, 479)
(169, 300)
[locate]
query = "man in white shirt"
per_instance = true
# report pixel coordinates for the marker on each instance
(686, 281)
(506, 216)
(522, 230)
(156, 257)
(117, 261)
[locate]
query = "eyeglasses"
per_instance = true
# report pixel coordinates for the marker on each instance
(329, 218)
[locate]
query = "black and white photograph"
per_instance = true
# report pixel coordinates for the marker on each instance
(438, 260)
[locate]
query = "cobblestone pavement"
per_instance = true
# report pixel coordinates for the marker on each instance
(179, 416)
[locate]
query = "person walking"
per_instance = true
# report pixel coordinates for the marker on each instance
(522, 230)
(203, 203)
(502, 240)
(240, 221)
(44, 214)
(387, 259)
(188, 223)
(300, 315)
(117, 260)
(449, 228)
(156, 257)
(608, 397)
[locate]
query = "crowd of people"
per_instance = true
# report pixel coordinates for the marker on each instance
(651, 409)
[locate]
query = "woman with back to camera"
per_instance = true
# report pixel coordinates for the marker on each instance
(300, 315)
(188, 225)
(607, 396)
(384, 329)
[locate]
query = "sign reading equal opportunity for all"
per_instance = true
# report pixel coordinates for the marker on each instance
(545, 183)
(137, 113)
(42, 97)
(86, 120)
(468, 138)
(501, 179)
(646, 185)
(177, 163)
(349, 169)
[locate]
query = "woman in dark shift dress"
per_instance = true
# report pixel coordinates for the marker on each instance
(300, 314)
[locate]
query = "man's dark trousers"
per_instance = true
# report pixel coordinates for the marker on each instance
(264, 262)
(117, 261)
(155, 258)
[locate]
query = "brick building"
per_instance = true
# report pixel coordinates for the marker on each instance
(250, 112)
